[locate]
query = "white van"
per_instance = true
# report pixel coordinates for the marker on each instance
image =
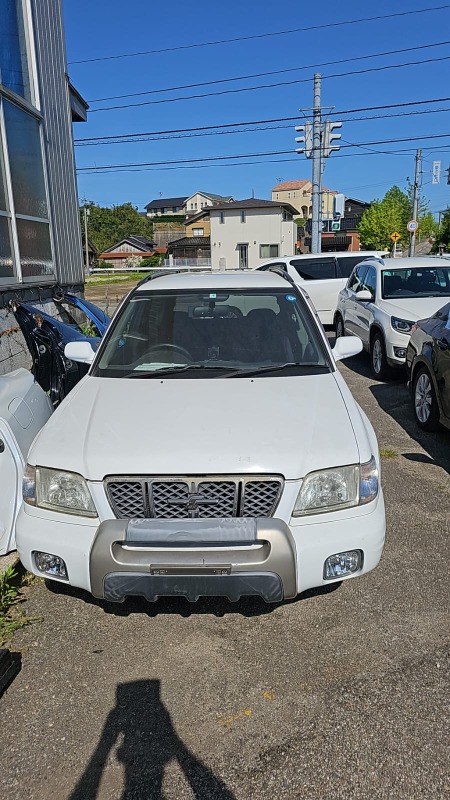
(322, 275)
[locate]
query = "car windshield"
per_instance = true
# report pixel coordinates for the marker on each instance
(416, 282)
(212, 334)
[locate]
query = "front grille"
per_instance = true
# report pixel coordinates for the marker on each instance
(187, 497)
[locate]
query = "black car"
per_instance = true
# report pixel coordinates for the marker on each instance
(428, 366)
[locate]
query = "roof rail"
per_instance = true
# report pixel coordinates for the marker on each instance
(159, 274)
(283, 273)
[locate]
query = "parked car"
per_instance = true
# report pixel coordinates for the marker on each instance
(381, 303)
(46, 336)
(322, 275)
(428, 366)
(212, 449)
(24, 409)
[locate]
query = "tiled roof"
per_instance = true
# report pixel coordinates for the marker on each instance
(253, 202)
(281, 187)
(166, 202)
(193, 241)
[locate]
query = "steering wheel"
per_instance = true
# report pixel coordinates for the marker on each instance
(169, 346)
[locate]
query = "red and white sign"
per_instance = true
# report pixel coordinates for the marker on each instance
(412, 225)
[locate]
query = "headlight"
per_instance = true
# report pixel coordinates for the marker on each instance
(334, 489)
(58, 491)
(401, 325)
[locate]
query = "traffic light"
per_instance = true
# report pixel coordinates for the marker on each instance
(306, 139)
(338, 205)
(330, 137)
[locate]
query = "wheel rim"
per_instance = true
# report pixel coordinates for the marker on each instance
(377, 356)
(423, 398)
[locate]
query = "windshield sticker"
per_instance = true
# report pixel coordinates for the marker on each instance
(291, 298)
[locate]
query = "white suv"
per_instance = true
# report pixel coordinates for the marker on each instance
(382, 301)
(172, 468)
(322, 275)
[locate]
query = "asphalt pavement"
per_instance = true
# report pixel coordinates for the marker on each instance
(338, 694)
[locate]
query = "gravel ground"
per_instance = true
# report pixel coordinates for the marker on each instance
(338, 694)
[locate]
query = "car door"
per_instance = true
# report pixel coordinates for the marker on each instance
(321, 282)
(364, 309)
(441, 355)
(348, 305)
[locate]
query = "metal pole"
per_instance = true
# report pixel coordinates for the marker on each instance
(86, 246)
(415, 212)
(317, 167)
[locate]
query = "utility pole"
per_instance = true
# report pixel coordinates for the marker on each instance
(415, 210)
(316, 229)
(86, 246)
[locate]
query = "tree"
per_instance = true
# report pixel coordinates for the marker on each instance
(106, 226)
(443, 236)
(383, 218)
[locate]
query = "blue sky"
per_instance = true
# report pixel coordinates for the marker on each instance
(97, 29)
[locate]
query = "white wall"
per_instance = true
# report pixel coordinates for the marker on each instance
(261, 226)
(197, 200)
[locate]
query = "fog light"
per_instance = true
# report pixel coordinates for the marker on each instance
(50, 564)
(342, 564)
(400, 352)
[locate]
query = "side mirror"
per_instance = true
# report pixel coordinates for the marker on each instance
(79, 351)
(347, 346)
(365, 296)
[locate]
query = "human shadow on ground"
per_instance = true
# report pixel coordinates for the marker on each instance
(179, 606)
(140, 731)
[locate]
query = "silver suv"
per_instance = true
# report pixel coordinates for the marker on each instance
(384, 298)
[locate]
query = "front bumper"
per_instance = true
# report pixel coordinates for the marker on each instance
(269, 557)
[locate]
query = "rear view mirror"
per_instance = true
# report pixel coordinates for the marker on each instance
(79, 351)
(365, 296)
(347, 346)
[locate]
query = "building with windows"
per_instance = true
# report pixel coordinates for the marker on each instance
(40, 239)
(201, 200)
(166, 207)
(245, 232)
(299, 195)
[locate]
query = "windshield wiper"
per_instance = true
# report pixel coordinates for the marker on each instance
(244, 373)
(170, 371)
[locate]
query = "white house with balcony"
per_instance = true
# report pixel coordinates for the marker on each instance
(245, 232)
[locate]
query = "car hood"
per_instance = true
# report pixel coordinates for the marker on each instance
(283, 425)
(414, 308)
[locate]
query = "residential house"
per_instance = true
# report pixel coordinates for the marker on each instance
(132, 247)
(245, 232)
(200, 200)
(195, 245)
(299, 195)
(347, 238)
(166, 207)
(40, 238)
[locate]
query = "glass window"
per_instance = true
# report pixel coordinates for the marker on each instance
(418, 282)
(268, 251)
(355, 282)
(315, 269)
(222, 217)
(208, 331)
(346, 264)
(370, 281)
(198, 231)
(6, 259)
(3, 200)
(14, 72)
(25, 158)
(242, 216)
(35, 249)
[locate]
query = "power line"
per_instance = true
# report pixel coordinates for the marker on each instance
(118, 167)
(266, 74)
(262, 35)
(268, 85)
(157, 138)
(403, 152)
(263, 121)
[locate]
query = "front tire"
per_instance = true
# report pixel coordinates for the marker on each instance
(378, 360)
(339, 326)
(425, 405)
